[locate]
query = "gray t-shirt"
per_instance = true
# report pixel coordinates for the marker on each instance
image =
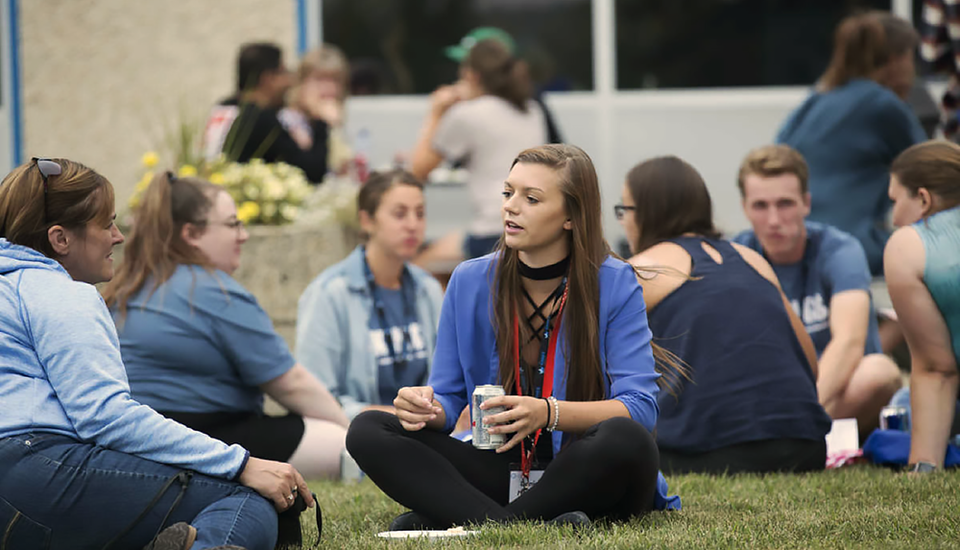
(486, 134)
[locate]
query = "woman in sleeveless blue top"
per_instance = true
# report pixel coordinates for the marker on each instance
(749, 403)
(922, 267)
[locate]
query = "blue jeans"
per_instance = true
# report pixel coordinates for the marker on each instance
(56, 492)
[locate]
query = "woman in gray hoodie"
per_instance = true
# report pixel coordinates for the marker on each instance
(82, 464)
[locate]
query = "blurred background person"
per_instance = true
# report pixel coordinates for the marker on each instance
(751, 401)
(481, 121)
(245, 126)
(323, 79)
(921, 263)
(854, 124)
(460, 52)
(199, 348)
(367, 326)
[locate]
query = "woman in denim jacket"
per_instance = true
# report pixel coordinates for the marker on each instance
(367, 326)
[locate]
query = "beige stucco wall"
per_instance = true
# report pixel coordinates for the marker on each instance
(103, 78)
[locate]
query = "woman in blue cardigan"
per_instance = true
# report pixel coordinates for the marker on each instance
(562, 327)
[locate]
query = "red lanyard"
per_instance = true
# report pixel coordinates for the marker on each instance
(547, 362)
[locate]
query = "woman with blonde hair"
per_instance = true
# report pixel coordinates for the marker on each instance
(921, 263)
(83, 464)
(322, 79)
(196, 344)
(560, 324)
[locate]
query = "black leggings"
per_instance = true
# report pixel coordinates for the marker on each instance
(764, 456)
(267, 437)
(611, 471)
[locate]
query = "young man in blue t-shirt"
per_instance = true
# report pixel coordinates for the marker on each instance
(823, 272)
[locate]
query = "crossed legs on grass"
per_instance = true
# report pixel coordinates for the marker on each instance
(609, 472)
(82, 496)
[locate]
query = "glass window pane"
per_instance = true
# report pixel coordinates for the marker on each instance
(397, 46)
(724, 43)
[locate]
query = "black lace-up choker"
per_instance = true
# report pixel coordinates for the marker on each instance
(545, 273)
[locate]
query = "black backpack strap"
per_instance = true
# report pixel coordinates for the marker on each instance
(289, 533)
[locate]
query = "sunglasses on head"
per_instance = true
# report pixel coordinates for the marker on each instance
(47, 168)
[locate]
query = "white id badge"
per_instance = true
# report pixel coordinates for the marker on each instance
(519, 485)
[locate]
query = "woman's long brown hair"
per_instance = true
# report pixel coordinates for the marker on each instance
(155, 247)
(862, 44)
(588, 250)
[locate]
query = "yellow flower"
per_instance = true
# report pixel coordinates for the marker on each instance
(248, 211)
(187, 171)
(150, 159)
(217, 178)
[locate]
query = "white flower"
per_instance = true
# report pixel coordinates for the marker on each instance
(289, 212)
(269, 210)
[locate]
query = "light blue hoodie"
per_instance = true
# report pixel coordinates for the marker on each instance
(61, 372)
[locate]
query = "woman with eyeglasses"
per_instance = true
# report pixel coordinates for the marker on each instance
(751, 402)
(197, 345)
(83, 464)
(367, 325)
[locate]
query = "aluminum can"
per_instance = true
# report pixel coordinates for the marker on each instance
(895, 418)
(482, 438)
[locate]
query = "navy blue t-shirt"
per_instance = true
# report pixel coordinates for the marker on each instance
(409, 365)
(833, 262)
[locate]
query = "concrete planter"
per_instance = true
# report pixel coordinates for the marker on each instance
(279, 262)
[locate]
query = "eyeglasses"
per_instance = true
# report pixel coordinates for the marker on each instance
(236, 225)
(620, 209)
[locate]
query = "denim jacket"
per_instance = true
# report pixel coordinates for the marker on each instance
(333, 319)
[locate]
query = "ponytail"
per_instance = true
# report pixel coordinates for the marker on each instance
(155, 246)
(500, 73)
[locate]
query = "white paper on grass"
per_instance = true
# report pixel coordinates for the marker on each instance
(843, 437)
(452, 532)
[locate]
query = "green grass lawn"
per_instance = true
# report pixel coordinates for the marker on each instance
(859, 507)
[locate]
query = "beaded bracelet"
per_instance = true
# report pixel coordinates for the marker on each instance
(556, 413)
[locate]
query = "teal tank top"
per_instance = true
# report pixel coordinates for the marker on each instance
(940, 234)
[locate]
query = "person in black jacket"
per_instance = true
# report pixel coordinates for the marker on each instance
(255, 132)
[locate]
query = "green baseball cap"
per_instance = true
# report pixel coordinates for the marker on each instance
(460, 51)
